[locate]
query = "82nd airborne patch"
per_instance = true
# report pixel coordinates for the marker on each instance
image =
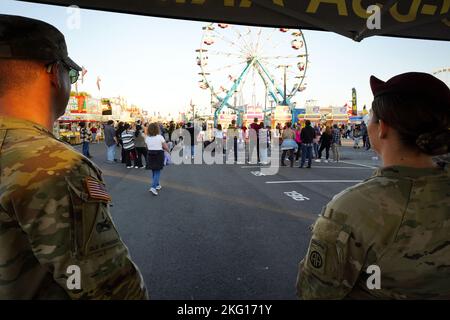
(316, 256)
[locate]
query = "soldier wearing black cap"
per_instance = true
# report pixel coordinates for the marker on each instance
(57, 238)
(388, 237)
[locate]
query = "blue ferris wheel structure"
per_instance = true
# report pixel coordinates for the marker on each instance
(236, 60)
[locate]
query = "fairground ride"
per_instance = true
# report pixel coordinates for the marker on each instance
(250, 65)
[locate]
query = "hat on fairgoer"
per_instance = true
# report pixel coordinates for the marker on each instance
(30, 39)
(414, 84)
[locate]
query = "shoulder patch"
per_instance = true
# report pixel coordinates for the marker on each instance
(96, 190)
(316, 256)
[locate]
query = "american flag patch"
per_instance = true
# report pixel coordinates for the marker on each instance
(97, 190)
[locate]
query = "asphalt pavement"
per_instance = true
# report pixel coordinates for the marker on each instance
(224, 231)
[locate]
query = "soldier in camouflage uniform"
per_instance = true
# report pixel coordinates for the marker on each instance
(54, 210)
(398, 219)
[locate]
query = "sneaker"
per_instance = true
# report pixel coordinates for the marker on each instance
(326, 161)
(129, 167)
(136, 167)
(143, 167)
(158, 187)
(317, 160)
(153, 190)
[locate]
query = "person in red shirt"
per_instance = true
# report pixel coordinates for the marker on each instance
(94, 134)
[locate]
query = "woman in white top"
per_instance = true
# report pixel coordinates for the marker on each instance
(218, 139)
(155, 146)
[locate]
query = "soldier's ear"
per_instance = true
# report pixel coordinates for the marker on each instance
(54, 73)
(383, 130)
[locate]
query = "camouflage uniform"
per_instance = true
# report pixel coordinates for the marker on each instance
(53, 214)
(399, 220)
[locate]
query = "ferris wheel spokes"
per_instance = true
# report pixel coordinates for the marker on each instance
(227, 67)
(242, 38)
(228, 54)
(222, 37)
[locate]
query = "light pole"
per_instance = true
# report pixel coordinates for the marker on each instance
(284, 83)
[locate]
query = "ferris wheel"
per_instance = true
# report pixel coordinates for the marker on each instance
(250, 65)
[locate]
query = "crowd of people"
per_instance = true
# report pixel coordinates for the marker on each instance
(297, 143)
(142, 147)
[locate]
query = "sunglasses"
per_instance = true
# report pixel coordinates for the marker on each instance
(73, 74)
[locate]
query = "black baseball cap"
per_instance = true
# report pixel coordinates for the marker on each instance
(30, 39)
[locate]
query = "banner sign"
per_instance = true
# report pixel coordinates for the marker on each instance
(354, 106)
(356, 19)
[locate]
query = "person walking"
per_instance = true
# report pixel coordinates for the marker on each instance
(191, 131)
(316, 140)
(288, 146)
(110, 141)
(397, 219)
(307, 135)
(85, 137)
(364, 134)
(336, 143)
(129, 146)
(232, 140)
(264, 144)
(141, 148)
(156, 145)
(218, 140)
(94, 134)
(356, 134)
(119, 130)
(298, 140)
(325, 143)
(255, 126)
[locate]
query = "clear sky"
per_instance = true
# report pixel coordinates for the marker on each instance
(152, 61)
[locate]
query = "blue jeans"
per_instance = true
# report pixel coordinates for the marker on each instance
(316, 150)
(306, 153)
(110, 153)
(86, 149)
(155, 174)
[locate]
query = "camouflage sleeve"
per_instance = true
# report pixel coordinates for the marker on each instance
(333, 261)
(68, 224)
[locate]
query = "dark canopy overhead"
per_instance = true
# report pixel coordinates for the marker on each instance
(424, 19)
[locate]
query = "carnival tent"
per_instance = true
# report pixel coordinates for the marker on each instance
(411, 19)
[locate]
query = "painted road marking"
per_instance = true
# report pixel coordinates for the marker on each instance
(318, 167)
(257, 173)
(315, 181)
(296, 196)
(358, 164)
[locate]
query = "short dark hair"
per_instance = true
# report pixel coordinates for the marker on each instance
(110, 122)
(14, 74)
(307, 122)
(82, 124)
